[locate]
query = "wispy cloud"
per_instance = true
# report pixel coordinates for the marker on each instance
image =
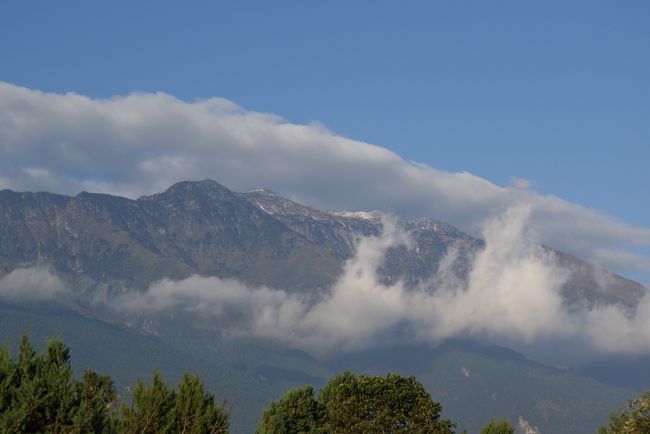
(512, 295)
(143, 142)
(31, 284)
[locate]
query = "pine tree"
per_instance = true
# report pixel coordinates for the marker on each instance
(39, 394)
(159, 409)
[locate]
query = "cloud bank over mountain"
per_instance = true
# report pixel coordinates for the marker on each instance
(31, 284)
(513, 296)
(140, 143)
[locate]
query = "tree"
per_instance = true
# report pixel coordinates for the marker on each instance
(151, 408)
(159, 409)
(97, 401)
(354, 404)
(195, 411)
(39, 394)
(498, 427)
(633, 420)
(296, 412)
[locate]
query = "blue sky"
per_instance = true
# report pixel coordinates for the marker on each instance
(556, 92)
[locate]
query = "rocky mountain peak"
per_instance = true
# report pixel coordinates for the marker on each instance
(276, 205)
(190, 188)
(205, 198)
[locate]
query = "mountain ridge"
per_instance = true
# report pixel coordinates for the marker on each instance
(109, 244)
(259, 237)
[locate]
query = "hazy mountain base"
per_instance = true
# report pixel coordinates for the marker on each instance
(245, 372)
(473, 383)
(629, 371)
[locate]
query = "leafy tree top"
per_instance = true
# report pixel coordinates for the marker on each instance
(354, 404)
(498, 427)
(635, 419)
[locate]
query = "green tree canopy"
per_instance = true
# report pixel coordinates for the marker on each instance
(39, 394)
(498, 427)
(159, 409)
(355, 404)
(296, 412)
(635, 419)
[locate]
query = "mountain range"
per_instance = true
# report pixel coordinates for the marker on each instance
(114, 244)
(103, 246)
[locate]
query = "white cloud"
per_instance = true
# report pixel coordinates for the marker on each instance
(31, 284)
(512, 296)
(513, 289)
(143, 142)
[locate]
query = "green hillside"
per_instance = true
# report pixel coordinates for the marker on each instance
(473, 383)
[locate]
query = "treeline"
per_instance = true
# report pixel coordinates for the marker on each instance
(39, 394)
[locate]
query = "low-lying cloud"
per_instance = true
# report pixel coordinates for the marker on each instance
(512, 295)
(31, 284)
(142, 143)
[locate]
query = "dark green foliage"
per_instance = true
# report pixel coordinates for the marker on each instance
(394, 404)
(498, 427)
(195, 411)
(351, 404)
(97, 401)
(633, 420)
(297, 412)
(39, 394)
(159, 409)
(151, 408)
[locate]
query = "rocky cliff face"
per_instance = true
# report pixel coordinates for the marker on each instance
(192, 228)
(102, 241)
(339, 232)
